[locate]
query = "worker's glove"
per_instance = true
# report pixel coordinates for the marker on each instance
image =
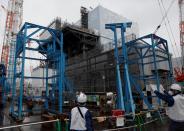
(153, 88)
(170, 92)
(162, 89)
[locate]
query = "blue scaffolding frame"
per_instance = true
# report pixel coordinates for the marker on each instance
(52, 49)
(146, 47)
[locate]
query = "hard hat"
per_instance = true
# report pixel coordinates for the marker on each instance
(81, 98)
(176, 87)
(109, 95)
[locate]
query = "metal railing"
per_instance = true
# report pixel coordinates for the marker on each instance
(139, 122)
(58, 125)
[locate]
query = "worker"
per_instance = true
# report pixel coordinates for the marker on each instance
(81, 118)
(30, 106)
(175, 110)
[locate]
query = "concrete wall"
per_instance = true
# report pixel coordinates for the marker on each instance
(161, 65)
(101, 16)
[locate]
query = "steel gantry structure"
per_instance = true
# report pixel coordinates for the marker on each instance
(150, 50)
(54, 58)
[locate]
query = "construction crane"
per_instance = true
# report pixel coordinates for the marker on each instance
(179, 72)
(13, 24)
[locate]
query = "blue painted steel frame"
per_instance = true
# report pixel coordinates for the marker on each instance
(128, 94)
(53, 54)
(144, 50)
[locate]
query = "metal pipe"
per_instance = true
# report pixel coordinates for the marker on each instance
(28, 124)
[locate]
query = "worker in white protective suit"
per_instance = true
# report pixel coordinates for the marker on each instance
(81, 118)
(175, 100)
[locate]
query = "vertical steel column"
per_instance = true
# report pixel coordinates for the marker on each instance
(126, 71)
(142, 67)
(119, 82)
(155, 66)
(61, 71)
(54, 57)
(47, 91)
(22, 75)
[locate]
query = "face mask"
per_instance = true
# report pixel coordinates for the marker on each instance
(171, 93)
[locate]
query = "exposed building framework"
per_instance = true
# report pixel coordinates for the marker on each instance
(84, 17)
(78, 40)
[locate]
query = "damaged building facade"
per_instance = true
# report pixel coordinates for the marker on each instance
(89, 51)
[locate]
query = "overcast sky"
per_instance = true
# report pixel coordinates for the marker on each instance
(145, 12)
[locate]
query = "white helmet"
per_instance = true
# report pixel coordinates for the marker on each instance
(81, 98)
(176, 87)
